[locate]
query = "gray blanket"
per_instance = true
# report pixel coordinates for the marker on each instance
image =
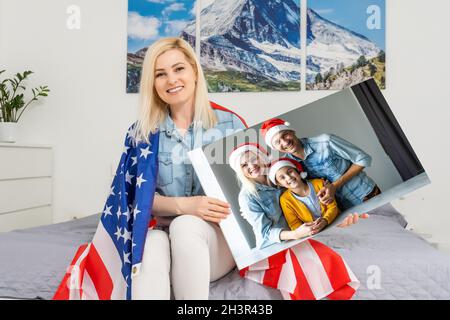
(389, 261)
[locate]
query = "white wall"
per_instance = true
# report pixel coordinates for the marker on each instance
(88, 111)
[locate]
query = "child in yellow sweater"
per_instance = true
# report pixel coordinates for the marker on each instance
(299, 202)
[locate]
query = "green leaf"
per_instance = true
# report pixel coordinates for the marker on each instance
(11, 101)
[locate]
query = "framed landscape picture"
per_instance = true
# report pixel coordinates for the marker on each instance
(251, 45)
(345, 43)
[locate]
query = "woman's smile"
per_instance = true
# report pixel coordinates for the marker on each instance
(254, 171)
(175, 90)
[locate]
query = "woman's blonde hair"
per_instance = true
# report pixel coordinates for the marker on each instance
(152, 109)
(246, 183)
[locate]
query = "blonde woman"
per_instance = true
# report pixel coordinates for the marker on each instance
(187, 249)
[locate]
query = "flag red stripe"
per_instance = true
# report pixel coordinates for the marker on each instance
(218, 107)
(243, 272)
(278, 259)
(82, 266)
(63, 291)
(99, 274)
(302, 290)
(152, 223)
(333, 264)
(272, 275)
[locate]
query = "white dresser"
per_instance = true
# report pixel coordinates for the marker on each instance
(26, 172)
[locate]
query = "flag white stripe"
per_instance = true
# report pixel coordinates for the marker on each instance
(260, 265)
(89, 291)
(354, 281)
(287, 281)
(285, 295)
(111, 259)
(313, 269)
(74, 280)
(257, 276)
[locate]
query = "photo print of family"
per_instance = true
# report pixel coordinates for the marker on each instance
(257, 45)
(300, 174)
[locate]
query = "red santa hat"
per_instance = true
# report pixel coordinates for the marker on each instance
(285, 162)
(271, 127)
(235, 155)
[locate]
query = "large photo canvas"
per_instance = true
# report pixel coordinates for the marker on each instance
(353, 129)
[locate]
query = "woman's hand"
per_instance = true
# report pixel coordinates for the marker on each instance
(206, 208)
(352, 219)
(327, 194)
(305, 230)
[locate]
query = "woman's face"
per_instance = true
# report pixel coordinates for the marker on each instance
(252, 165)
(288, 178)
(286, 141)
(174, 78)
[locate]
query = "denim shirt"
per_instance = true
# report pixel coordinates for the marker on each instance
(328, 157)
(176, 176)
(264, 214)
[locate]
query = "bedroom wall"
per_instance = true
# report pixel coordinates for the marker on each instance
(88, 111)
(2, 31)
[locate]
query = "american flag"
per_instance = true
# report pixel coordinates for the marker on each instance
(104, 268)
(309, 270)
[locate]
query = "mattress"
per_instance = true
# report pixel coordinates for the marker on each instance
(389, 261)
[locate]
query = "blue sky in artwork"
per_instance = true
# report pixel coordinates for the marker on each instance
(150, 20)
(352, 14)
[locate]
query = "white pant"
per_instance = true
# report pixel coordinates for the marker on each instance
(196, 254)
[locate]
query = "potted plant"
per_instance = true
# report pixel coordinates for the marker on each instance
(13, 103)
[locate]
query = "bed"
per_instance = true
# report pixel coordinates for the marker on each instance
(390, 261)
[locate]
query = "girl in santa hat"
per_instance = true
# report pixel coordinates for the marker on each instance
(300, 203)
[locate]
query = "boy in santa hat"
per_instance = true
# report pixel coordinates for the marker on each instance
(300, 203)
(329, 157)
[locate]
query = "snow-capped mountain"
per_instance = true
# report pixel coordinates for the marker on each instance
(330, 45)
(260, 38)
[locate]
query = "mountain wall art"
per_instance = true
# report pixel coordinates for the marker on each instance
(345, 43)
(251, 45)
(256, 45)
